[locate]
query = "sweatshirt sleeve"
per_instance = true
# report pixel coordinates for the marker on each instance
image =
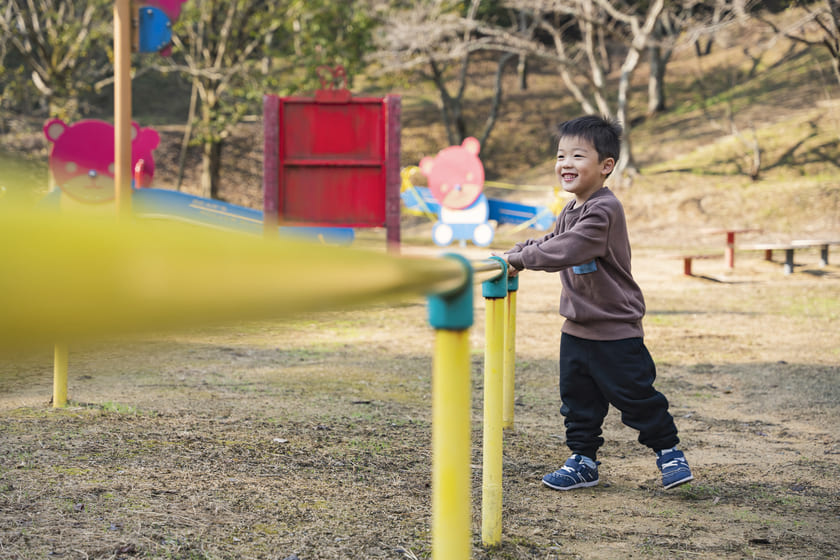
(521, 245)
(583, 242)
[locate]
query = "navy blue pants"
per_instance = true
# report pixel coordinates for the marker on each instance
(597, 373)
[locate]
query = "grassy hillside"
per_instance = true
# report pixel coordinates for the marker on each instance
(696, 159)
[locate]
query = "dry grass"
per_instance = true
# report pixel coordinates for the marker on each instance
(311, 437)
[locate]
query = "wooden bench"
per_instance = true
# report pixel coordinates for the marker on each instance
(687, 259)
(789, 249)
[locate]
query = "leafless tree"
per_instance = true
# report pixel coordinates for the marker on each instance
(599, 31)
(683, 23)
(430, 39)
(56, 39)
(217, 46)
(826, 18)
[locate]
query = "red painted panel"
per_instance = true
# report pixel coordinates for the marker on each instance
(351, 131)
(347, 196)
(336, 161)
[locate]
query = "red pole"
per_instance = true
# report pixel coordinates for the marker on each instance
(730, 249)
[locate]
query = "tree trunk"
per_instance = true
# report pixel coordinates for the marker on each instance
(663, 33)
(833, 42)
(185, 142)
(522, 72)
(702, 51)
(211, 163)
(656, 82)
(497, 98)
(522, 64)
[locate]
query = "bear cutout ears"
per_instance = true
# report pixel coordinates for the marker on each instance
(82, 158)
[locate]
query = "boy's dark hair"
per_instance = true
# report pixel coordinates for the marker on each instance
(604, 134)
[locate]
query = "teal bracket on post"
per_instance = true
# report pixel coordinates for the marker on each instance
(498, 287)
(453, 310)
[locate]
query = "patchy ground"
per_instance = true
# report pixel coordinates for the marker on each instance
(311, 437)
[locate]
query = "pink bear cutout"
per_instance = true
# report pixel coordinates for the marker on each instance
(82, 158)
(455, 175)
(456, 180)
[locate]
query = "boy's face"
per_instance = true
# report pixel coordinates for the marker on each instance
(578, 168)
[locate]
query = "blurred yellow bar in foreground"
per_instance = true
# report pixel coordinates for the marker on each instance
(67, 278)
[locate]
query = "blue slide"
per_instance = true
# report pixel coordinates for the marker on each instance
(540, 217)
(182, 207)
(175, 205)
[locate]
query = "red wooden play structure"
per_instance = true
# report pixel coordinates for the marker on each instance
(332, 159)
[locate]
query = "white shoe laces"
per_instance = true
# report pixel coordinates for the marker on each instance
(674, 463)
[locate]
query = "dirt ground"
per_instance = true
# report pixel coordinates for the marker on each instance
(309, 438)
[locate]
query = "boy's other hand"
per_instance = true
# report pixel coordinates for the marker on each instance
(511, 270)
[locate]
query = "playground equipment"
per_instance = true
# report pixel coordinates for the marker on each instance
(146, 276)
(154, 23)
(456, 181)
(420, 200)
(332, 159)
(82, 162)
(82, 165)
(173, 205)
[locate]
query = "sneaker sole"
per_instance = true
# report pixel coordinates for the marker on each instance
(689, 478)
(578, 485)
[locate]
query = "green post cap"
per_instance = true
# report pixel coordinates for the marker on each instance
(453, 310)
(496, 288)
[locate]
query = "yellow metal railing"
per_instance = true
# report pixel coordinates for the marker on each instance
(67, 279)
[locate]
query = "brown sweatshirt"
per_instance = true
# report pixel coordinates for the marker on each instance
(590, 249)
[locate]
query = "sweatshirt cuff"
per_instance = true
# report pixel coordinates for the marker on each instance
(515, 260)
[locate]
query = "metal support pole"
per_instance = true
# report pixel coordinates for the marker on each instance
(494, 292)
(122, 107)
(509, 362)
(60, 375)
(451, 314)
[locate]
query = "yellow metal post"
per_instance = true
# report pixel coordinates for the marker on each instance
(495, 293)
(451, 315)
(491, 489)
(509, 366)
(60, 375)
(451, 506)
(122, 158)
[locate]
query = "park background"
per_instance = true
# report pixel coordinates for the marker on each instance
(310, 436)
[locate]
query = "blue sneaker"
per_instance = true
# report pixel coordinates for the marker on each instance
(574, 474)
(674, 468)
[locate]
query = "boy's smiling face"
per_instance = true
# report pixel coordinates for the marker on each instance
(578, 168)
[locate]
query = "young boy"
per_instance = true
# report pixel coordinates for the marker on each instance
(603, 358)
